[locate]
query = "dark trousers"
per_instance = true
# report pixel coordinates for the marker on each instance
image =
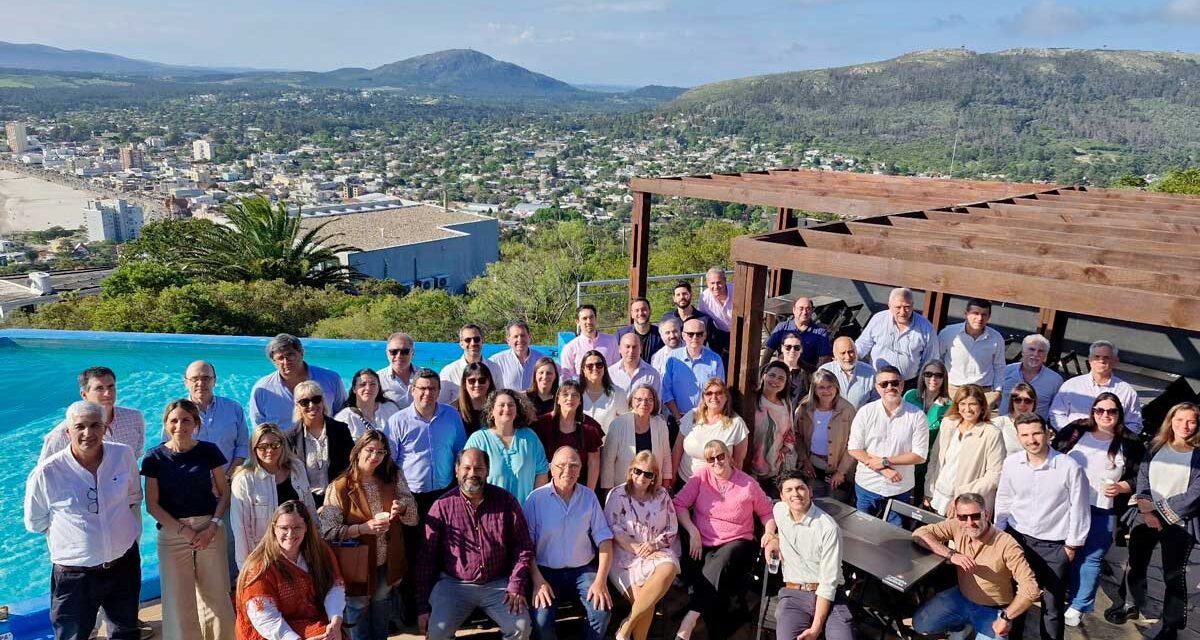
(77, 594)
(414, 539)
(714, 578)
(794, 613)
(1176, 546)
(1048, 559)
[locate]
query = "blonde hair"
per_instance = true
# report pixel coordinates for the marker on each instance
(970, 391)
(307, 389)
(268, 429)
(1166, 435)
(267, 554)
(647, 458)
(700, 413)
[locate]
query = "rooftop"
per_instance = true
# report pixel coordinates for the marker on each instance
(398, 226)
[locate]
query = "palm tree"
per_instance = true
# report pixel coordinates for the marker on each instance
(265, 243)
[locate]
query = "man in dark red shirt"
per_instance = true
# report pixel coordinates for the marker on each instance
(477, 553)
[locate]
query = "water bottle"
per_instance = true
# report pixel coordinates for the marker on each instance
(772, 565)
(5, 632)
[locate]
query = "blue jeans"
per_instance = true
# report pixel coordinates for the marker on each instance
(874, 504)
(369, 614)
(452, 601)
(565, 583)
(1085, 571)
(951, 611)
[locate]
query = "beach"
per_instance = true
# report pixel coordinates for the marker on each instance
(34, 204)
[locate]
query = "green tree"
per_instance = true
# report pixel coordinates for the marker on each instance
(167, 242)
(1179, 181)
(425, 315)
(144, 275)
(265, 243)
(1128, 181)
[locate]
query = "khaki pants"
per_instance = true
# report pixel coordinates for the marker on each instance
(195, 586)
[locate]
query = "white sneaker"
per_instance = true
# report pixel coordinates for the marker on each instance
(1073, 617)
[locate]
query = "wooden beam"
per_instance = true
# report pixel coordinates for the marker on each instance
(1077, 239)
(1065, 212)
(1133, 220)
(935, 189)
(781, 279)
(639, 245)
(936, 308)
(1052, 324)
(1084, 298)
(745, 340)
(1130, 195)
(1088, 201)
(871, 178)
(765, 197)
(978, 216)
(896, 201)
(998, 242)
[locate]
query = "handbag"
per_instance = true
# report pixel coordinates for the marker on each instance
(352, 558)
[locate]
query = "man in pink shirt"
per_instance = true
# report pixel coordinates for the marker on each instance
(589, 338)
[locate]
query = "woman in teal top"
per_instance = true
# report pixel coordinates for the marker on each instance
(517, 461)
(932, 397)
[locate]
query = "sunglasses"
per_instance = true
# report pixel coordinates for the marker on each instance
(694, 334)
(720, 457)
(269, 446)
(887, 384)
(1101, 411)
(649, 475)
(714, 394)
(474, 381)
(594, 366)
(399, 352)
(933, 374)
(792, 347)
(308, 402)
(1020, 400)
(973, 517)
(472, 340)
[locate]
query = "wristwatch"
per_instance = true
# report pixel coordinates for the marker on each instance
(887, 463)
(1004, 616)
(215, 520)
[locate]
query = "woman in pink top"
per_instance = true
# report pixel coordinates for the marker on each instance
(716, 509)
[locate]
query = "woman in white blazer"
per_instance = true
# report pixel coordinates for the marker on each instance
(270, 476)
(632, 432)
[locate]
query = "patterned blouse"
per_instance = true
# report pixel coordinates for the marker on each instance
(333, 520)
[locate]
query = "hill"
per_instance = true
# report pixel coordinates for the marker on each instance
(455, 71)
(1024, 113)
(38, 57)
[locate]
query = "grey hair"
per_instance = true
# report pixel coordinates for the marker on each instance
(901, 292)
(424, 373)
(717, 270)
(482, 454)
(671, 320)
(1100, 344)
(1036, 338)
(86, 409)
(516, 323)
(282, 342)
(971, 498)
(400, 335)
(716, 445)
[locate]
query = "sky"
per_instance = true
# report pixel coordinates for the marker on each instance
(619, 42)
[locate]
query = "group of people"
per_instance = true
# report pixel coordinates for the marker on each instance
(513, 483)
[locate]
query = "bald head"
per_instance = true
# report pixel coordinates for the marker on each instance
(694, 336)
(845, 353)
(200, 378)
(631, 349)
(564, 469)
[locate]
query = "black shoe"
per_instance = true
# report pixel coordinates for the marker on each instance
(1120, 614)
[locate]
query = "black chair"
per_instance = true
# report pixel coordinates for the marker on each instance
(910, 514)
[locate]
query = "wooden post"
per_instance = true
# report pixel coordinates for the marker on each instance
(937, 308)
(745, 338)
(781, 279)
(1052, 324)
(639, 245)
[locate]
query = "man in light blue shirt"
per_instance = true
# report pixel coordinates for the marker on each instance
(222, 420)
(513, 368)
(271, 398)
(566, 523)
(631, 371)
(856, 379)
(426, 437)
(899, 337)
(688, 368)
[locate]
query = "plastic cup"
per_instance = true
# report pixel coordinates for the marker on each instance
(383, 515)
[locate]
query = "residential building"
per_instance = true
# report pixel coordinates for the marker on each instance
(131, 158)
(113, 220)
(18, 142)
(202, 150)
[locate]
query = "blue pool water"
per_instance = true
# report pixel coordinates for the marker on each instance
(38, 371)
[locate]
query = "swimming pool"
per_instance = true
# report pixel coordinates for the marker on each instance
(38, 370)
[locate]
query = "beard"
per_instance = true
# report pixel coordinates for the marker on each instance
(472, 485)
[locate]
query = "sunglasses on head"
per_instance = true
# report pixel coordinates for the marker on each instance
(973, 517)
(720, 457)
(885, 384)
(399, 352)
(308, 402)
(649, 475)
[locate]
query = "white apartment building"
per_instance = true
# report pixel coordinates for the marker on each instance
(18, 141)
(113, 220)
(202, 150)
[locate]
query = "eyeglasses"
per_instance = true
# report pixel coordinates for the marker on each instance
(694, 334)
(594, 366)
(1101, 411)
(886, 384)
(472, 340)
(720, 457)
(375, 452)
(714, 394)
(933, 374)
(295, 529)
(195, 379)
(399, 352)
(1020, 400)
(268, 446)
(649, 475)
(973, 517)
(308, 402)
(793, 347)
(93, 500)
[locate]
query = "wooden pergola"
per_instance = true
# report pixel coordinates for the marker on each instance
(1117, 254)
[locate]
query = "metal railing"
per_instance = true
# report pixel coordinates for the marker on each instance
(611, 297)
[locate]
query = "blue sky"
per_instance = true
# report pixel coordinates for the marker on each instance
(628, 42)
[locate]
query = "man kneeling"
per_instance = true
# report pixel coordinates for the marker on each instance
(987, 561)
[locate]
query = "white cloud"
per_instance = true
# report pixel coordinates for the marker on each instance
(521, 35)
(1188, 10)
(1050, 18)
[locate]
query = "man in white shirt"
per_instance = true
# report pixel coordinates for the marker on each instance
(888, 438)
(1043, 503)
(631, 371)
(470, 338)
(1032, 370)
(809, 543)
(856, 379)
(85, 498)
(899, 337)
(513, 368)
(671, 330)
(717, 298)
(123, 425)
(1075, 396)
(974, 352)
(395, 378)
